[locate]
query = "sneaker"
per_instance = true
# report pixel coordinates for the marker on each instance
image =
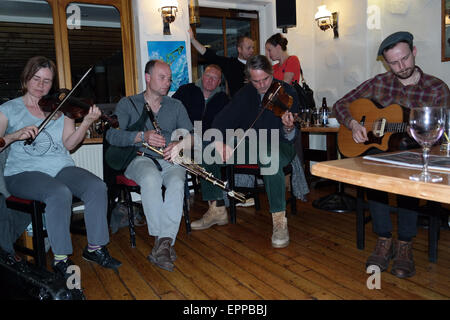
(60, 268)
(248, 203)
(101, 257)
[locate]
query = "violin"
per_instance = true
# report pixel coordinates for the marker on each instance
(277, 99)
(73, 108)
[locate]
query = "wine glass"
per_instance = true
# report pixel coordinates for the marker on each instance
(426, 127)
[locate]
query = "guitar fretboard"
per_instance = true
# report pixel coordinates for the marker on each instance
(396, 127)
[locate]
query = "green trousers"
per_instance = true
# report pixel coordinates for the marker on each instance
(274, 183)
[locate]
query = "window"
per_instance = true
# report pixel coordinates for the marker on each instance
(101, 36)
(219, 30)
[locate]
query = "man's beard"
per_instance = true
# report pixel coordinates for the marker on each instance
(405, 74)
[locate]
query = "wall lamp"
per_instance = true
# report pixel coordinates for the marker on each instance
(168, 14)
(325, 20)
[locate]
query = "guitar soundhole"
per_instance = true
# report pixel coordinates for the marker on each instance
(379, 127)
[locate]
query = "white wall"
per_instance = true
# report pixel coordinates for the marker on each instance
(332, 67)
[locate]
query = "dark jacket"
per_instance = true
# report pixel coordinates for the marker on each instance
(232, 69)
(193, 100)
(245, 106)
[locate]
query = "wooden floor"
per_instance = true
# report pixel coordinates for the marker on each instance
(238, 262)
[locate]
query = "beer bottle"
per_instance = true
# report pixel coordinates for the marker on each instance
(324, 112)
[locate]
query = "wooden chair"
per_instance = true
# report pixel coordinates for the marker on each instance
(36, 209)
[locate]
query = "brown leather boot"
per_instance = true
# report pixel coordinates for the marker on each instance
(382, 254)
(173, 254)
(403, 265)
(160, 255)
(214, 215)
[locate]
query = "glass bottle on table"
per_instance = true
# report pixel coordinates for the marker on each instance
(324, 113)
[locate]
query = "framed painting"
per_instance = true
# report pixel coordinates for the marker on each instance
(174, 54)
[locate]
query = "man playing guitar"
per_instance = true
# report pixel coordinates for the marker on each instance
(404, 84)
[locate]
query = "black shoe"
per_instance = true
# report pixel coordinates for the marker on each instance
(60, 268)
(101, 257)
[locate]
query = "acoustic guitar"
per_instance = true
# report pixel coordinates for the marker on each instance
(381, 125)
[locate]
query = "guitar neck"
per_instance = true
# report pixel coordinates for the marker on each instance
(396, 127)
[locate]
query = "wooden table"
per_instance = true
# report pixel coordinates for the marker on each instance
(389, 178)
(384, 177)
(319, 155)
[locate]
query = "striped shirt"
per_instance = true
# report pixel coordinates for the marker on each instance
(385, 89)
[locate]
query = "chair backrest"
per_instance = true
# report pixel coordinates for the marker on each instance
(109, 174)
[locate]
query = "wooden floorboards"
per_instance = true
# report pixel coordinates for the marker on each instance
(237, 262)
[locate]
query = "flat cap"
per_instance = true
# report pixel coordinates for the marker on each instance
(395, 38)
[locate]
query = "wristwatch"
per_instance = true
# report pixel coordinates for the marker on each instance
(142, 136)
(288, 130)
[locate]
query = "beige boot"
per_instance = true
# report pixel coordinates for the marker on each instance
(280, 236)
(214, 215)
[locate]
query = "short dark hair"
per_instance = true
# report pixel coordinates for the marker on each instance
(278, 39)
(33, 65)
(258, 62)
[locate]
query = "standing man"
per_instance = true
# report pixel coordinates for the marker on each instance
(203, 99)
(153, 171)
(407, 85)
(244, 108)
(233, 68)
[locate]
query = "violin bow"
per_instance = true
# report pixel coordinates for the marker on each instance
(50, 116)
(256, 119)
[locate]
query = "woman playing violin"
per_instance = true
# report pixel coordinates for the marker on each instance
(247, 111)
(45, 171)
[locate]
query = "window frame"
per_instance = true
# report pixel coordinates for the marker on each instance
(62, 42)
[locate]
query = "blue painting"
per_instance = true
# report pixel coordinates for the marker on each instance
(174, 53)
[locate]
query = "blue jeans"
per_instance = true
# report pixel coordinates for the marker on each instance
(57, 195)
(163, 216)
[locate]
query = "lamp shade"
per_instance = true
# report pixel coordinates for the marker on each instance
(168, 3)
(322, 12)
